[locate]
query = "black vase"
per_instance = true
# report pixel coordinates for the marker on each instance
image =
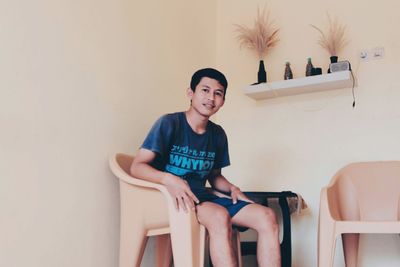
(333, 59)
(262, 74)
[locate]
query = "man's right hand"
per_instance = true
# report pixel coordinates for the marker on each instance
(180, 192)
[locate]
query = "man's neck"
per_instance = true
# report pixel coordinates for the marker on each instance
(197, 122)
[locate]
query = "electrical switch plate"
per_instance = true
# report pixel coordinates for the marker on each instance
(378, 52)
(364, 55)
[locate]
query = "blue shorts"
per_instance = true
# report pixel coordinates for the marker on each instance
(205, 195)
(228, 204)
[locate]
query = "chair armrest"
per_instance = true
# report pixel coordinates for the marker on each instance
(129, 179)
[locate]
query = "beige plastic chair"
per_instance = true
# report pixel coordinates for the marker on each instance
(361, 198)
(147, 210)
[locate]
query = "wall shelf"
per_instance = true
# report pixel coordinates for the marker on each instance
(323, 82)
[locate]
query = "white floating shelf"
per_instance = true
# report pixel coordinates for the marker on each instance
(323, 82)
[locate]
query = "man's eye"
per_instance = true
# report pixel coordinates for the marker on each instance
(205, 90)
(218, 93)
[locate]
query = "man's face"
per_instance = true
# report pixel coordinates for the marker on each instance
(208, 96)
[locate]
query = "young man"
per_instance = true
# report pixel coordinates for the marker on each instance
(185, 149)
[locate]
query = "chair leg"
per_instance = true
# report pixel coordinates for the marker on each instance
(350, 249)
(163, 251)
(187, 238)
(132, 244)
(133, 237)
(326, 245)
(202, 243)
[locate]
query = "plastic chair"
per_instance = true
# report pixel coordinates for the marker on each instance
(361, 198)
(147, 210)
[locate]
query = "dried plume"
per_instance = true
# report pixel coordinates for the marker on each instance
(334, 40)
(261, 37)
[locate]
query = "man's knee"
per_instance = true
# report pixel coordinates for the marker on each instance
(267, 221)
(221, 216)
(217, 221)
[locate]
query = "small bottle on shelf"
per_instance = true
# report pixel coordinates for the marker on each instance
(309, 67)
(288, 72)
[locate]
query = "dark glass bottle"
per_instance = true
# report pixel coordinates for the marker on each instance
(262, 74)
(309, 67)
(288, 72)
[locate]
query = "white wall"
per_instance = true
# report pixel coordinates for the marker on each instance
(78, 81)
(82, 79)
(297, 143)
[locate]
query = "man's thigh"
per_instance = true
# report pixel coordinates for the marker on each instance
(253, 214)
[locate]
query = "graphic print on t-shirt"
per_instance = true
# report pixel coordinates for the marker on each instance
(184, 160)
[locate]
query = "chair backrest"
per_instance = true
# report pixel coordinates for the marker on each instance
(125, 162)
(366, 191)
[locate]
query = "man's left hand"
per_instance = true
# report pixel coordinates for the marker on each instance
(237, 194)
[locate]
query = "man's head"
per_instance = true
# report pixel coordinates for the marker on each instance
(210, 73)
(207, 92)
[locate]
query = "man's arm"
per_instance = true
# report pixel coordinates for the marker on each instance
(177, 187)
(219, 182)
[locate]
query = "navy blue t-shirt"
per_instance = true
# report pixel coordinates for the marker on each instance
(184, 153)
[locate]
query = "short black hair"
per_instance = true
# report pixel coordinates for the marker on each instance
(210, 73)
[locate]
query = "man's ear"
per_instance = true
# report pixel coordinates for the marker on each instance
(189, 93)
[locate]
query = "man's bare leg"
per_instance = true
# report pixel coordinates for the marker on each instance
(217, 221)
(263, 220)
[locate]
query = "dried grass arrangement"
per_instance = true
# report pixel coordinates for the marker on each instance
(261, 37)
(334, 40)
